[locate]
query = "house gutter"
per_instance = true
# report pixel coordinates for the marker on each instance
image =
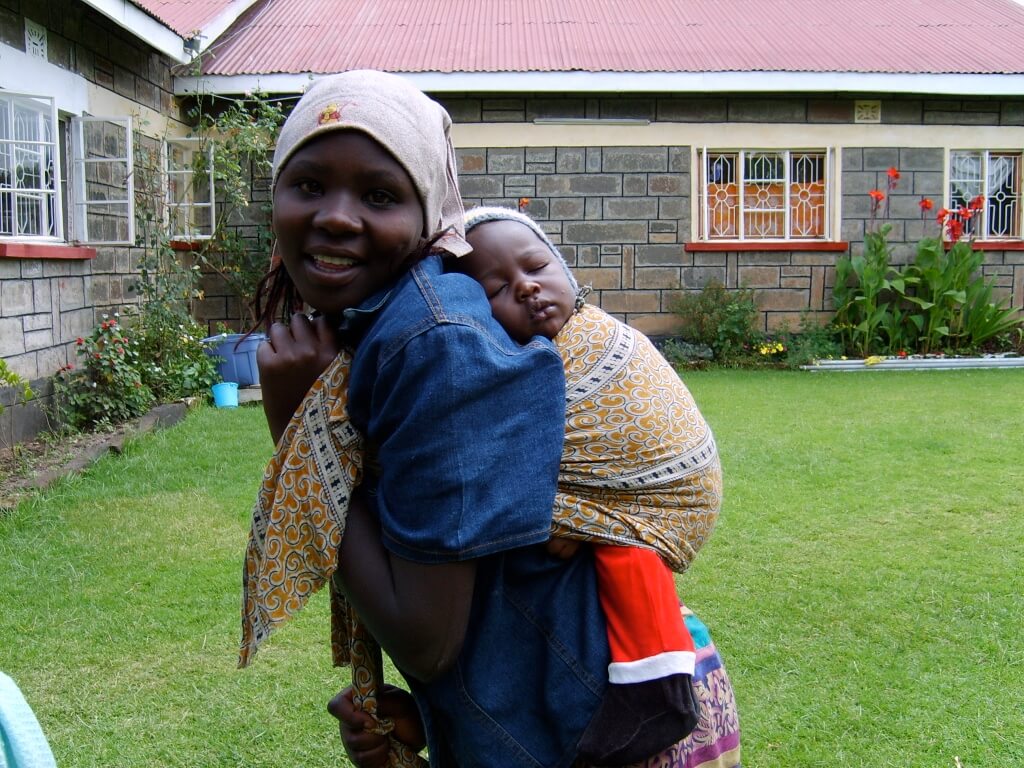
(638, 82)
(145, 27)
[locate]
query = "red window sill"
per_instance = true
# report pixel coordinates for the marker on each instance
(45, 251)
(993, 245)
(753, 245)
(187, 245)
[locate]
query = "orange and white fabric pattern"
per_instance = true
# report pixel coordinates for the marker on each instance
(639, 466)
(299, 516)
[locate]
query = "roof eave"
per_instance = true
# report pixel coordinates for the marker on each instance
(145, 27)
(639, 82)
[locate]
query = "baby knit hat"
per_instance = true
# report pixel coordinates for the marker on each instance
(415, 129)
(483, 214)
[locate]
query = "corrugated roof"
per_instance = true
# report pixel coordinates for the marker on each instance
(186, 17)
(411, 36)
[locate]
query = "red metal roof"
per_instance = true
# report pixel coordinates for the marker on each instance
(879, 36)
(186, 17)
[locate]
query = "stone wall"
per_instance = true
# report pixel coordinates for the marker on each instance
(45, 303)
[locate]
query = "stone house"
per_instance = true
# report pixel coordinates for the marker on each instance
(662, 148)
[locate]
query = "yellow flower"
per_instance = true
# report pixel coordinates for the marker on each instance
(873, 360)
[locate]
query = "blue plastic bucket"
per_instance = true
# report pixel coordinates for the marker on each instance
(237, 353)
(225, 394)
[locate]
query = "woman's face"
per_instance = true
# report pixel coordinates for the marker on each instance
(346, 218)
(529, 291)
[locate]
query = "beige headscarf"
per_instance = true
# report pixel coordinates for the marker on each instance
(404, 121)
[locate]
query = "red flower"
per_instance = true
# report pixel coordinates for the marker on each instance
(523, 202)
(965, 213)
(877, 195)
(97, 355)
(926, 204)
(901, 353)
(977, 203)
(942, 215)
(893, 173)
(955, 228)
(79, 341)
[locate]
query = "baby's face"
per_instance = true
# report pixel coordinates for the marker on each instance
(529, 291)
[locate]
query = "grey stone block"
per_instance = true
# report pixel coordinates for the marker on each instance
(556, 109)
(673, 207)
(519, 180)
(698, 277)
(592, 210)
(830, 111)
(767, 110)
(38, 340)
(1012, 113)
(630, 208)
(71, 292)
(853, 159)
(470, 161)
(663, 227)
(961, 118)
(481, 186)
(541, 154)
(634, 184)
(540, 167)
(37, 322)
(635, 159)
(679, 159)
(588, 256)
(12, 337)
(567, 208)
(689, 110)
(16, 297)
(11, 269)
(537, 208)
(586, 184)
(594, 156)
(859, 182)
(606, 232)
(502, 116)
(928, 183)
(629, 109)
(667, 184)
(902, 111)
(660, 255)
(571, 160)
(880, 158)
(464, 110)
(920, 159)
(611, 250)
(510, 160)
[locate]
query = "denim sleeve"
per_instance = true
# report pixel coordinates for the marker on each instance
(468, 431)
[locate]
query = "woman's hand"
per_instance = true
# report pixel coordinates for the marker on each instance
(291, 359)
(370, 750)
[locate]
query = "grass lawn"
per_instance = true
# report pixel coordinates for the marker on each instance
(865, 585)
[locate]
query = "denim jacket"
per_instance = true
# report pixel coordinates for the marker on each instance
(467, 427)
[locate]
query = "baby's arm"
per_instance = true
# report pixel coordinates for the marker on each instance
(370, 750)
(291, 359)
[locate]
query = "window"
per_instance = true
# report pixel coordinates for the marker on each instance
(995, 177)
(764, 194)
(30, 205)
(103, 189)
(190, 192)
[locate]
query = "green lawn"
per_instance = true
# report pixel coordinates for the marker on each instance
(865, 585)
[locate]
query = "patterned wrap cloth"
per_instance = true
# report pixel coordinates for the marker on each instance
(662, 490)
(639, 465)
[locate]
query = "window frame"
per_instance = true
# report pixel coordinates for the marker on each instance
(986, 235)
(170, 205)
(51, 194)
(740, 160)
(79, 204)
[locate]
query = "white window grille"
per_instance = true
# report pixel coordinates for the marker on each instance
(103, 209)
(191, 199)
(30, 204)
(995, 178)
(765, 194)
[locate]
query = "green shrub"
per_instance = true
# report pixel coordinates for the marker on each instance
(811, 343)
(106, 388)
(723, 320)
(173, 362)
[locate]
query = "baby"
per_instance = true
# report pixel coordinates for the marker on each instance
(639, 477)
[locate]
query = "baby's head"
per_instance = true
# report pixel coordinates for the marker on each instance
(527, 282)
(363, 178)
